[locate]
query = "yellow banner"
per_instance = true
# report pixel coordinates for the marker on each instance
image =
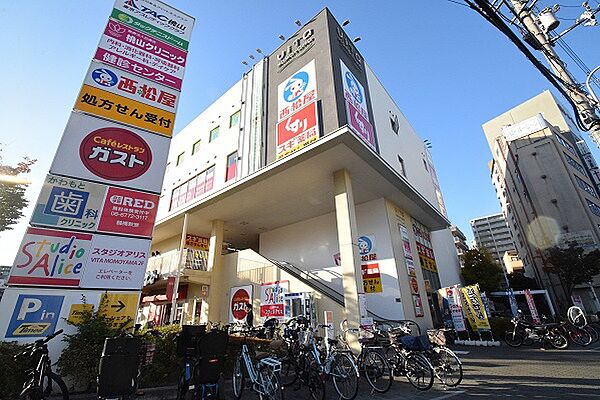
(428, 263)
(121, 109)
(120, 307)
(474, 308)
(77, 311)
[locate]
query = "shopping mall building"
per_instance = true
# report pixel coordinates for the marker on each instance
(298, 190)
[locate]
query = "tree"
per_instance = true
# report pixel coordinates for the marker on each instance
(573, 266)
(518, 281)
(12, 195)
(482, 269)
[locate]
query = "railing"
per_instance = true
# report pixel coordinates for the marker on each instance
(166, 264)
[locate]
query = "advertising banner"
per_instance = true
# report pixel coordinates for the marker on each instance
(239, 298)
(120, 307)
(366, 248)
(116, 81)
(454, 303)
(158, 15)
(128, 212)
(69, 204)
(297, 91)
(371, 277)
(356, 106)
(271, 299)
(474, 308)
(99, 150)
(297, 131)
(49, 257)
(75, 204)
(532, 308)
(514, 308)
(116, 263)
(121, 109)
(418, 305)
(196, 242)
(361, 125)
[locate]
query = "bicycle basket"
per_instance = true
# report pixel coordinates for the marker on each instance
(437, 337)
(415, 343)
(188, 339)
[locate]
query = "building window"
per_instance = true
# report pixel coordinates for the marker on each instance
(586, 186)
(214, 133)
(565, 144)
(196, 147)
(234, 119)
(180, 159)
(594, 208)
(231, 167)
(195, 187)
(425, 165)
(402, 169)
(574, 163)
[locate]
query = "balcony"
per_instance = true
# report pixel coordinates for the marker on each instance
(166, 264)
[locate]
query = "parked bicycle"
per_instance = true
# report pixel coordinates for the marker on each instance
(527, 333)
(371, 360)
(446, 364)
(262, 376)
(41, 381)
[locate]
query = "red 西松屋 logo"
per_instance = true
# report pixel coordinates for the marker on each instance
(115, 154)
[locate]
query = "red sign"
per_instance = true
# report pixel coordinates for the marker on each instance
(129, 212)
(170, 288)
(414, 285)
(115, 153)
(239, 300)
(297, 130)
(361, 125)
(370, 271)
(271, 311)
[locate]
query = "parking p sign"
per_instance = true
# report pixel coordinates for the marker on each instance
(34, 316)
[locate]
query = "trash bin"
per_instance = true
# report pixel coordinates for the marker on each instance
(119, 366)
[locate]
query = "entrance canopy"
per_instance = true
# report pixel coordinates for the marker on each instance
(300, 187)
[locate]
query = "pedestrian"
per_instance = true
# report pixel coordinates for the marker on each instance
(249, 315)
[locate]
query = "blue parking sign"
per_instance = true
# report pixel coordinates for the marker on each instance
(34, 316)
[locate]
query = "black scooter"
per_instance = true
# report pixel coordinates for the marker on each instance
(526, 333)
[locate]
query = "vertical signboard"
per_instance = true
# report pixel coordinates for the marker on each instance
(271, 299)
(356, 106)
(240, 298)
(95, 214)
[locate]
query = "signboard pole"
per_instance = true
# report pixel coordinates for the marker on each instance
(180, 262)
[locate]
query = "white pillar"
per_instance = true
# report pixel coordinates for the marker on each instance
(180, 263)
(215, 263)
(348, 241)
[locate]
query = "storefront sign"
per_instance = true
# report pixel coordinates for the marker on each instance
(354, 92)
(158, 14)
(532, 308)
(453, 296)
(366, 248)
(271, 299)
(128, 212)
(77, 312)
(418, 305)
(34, 315)
(474, 308)
(297, 91)
(297, 131)
(99, 150)
(297, 47)
(197, 242)
(121, 109)
(116, 263)
(360, 125)
(239, 298)
(118, 82)
(414, 285)
(69, 204)
(371, 277)
(50, 258)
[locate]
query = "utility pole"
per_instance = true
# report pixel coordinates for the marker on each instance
(583, 103)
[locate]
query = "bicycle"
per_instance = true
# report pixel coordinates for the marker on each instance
(374, 366)
(446, 364)
(39, 384)
(263, 376)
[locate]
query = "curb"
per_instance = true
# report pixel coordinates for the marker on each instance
(155, 393)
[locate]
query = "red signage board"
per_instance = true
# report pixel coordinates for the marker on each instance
(297, 130)
(128, 212)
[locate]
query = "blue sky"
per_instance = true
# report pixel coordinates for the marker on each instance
(447, 68)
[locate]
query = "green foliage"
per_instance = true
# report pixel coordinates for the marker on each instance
(12, 196)
(79, 360)
(573, 266)
(166, 366)
(482, 269)
(12, 372)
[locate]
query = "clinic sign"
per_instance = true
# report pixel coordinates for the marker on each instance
(70, 203)
(103, 151)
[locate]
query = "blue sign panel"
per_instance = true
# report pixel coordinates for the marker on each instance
(34, 316)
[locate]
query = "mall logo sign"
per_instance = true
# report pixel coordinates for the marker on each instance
(295, 48)
(349, 48)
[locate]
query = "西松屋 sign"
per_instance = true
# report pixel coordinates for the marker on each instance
(297, 91)
(99, 150)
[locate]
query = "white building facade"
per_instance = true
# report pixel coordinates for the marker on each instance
(307, 176)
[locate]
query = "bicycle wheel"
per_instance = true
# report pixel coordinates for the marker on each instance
(51, 382)
(344, 376)
(513, 338)
(377, 371)
(183, 386)
(447, 366)
(593, 333)
(419, 371)
(316, 386)
(579, 336)
(238, 379)
(558, 340)
(272, 386)
(394, 360)
(289, 370)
